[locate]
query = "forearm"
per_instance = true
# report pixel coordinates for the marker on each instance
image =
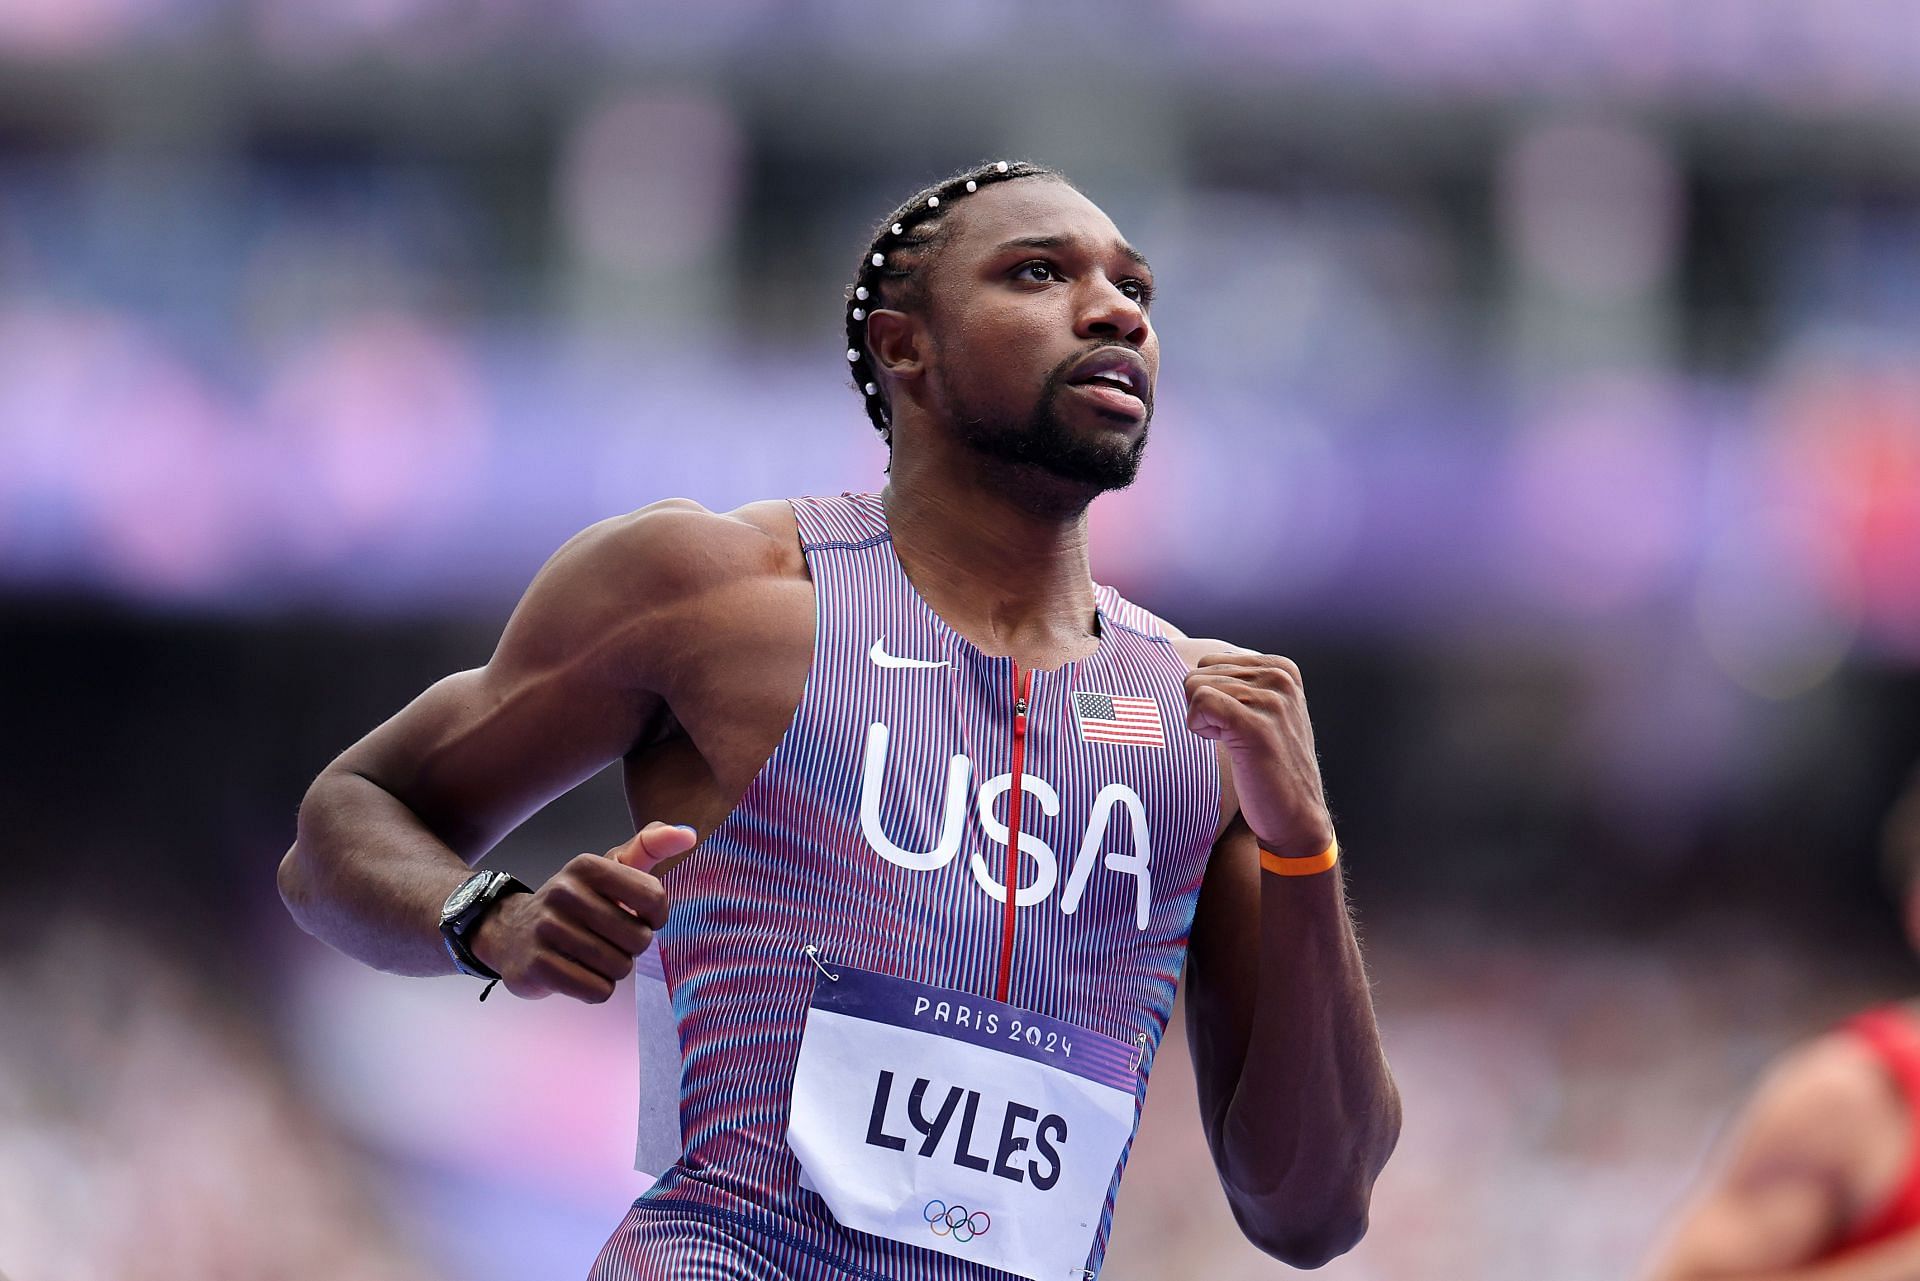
(366, 876)
(1312, 1113)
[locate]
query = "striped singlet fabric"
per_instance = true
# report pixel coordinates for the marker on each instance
(882, 763)
(1893, 1035)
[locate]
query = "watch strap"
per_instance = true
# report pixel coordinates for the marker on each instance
(458, 923)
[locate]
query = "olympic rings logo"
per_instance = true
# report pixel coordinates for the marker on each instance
(954, 1221)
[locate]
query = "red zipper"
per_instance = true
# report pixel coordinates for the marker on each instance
(1020, 682)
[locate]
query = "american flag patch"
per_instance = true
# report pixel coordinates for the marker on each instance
(1118, 718)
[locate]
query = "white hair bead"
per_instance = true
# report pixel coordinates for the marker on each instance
(852, 354)
(898, 228)
(1002, 166)
(972, 185)
(933, 202)
(879, 260)
(871, 389)
(861, 293)
(859, 313)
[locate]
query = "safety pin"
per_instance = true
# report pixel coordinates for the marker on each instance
(1139, 1055)
(813, 954)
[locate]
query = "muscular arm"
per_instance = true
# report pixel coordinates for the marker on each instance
(1299, 1107)
(1779, 1198)
(1300, 1110)
(387, 830)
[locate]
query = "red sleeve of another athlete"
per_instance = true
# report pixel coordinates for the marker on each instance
(1894, 1037)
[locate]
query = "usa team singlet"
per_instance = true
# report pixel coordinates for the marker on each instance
(875, 841)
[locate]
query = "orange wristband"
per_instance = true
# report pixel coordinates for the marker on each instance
(1307, 866)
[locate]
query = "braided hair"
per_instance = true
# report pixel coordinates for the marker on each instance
(892, 271)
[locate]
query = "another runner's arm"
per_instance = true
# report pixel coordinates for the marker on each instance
(1778, 1198)
(387, 830)
(1300, 1109)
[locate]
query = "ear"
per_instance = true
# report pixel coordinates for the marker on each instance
(897, 343)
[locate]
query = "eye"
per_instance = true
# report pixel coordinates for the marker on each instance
(1044, 271)
(1138, 290)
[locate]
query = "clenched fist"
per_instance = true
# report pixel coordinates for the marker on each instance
(1255, 706)
(578, 933)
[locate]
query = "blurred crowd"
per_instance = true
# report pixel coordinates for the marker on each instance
(150, 1133)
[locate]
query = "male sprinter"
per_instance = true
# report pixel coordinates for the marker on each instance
(1821, 1179)
(864, 717)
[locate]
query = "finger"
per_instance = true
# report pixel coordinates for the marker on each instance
(1223, 672)
(1257, 667)
(628, 886)
(1264, 669)
(654, 844)
(612, 920)
(570, 978)
(1213, 713)
(1267, 690)
(1233, 654)
(1233, 686)
(584, 948)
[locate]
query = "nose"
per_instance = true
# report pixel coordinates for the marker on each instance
(1108, 313)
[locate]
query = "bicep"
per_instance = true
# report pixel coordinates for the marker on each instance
(480, 751)
(567, 691)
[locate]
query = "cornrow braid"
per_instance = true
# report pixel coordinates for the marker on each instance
(892, 269)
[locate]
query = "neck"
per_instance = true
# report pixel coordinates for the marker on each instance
(1011, 576)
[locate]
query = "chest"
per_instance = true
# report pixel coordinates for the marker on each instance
(852, 732)
(963, 774)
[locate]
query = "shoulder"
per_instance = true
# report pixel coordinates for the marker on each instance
(636, 574)
(1818, 1104)
(1838, 1071)
(674, 549)
(677, 544)
(1191, 649)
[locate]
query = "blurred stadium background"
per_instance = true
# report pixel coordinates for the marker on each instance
(1542, 376)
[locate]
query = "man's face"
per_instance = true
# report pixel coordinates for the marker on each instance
(1039, 348)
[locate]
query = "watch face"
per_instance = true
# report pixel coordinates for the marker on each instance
(463, 898)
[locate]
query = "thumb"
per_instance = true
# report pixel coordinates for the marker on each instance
(654, 844)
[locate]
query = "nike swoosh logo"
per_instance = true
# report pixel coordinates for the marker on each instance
(881, 658)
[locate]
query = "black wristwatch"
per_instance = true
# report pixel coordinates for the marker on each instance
(463, 911)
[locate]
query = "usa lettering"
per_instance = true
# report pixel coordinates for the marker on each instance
(1116, 803)
(932, 1114)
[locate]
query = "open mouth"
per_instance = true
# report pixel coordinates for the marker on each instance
(1115, 379)
(1113, 397)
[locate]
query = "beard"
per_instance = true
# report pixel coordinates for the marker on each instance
(1042, 441)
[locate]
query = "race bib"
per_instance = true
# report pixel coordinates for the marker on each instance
(959, 1124)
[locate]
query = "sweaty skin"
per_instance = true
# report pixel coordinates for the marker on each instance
(678, 641)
